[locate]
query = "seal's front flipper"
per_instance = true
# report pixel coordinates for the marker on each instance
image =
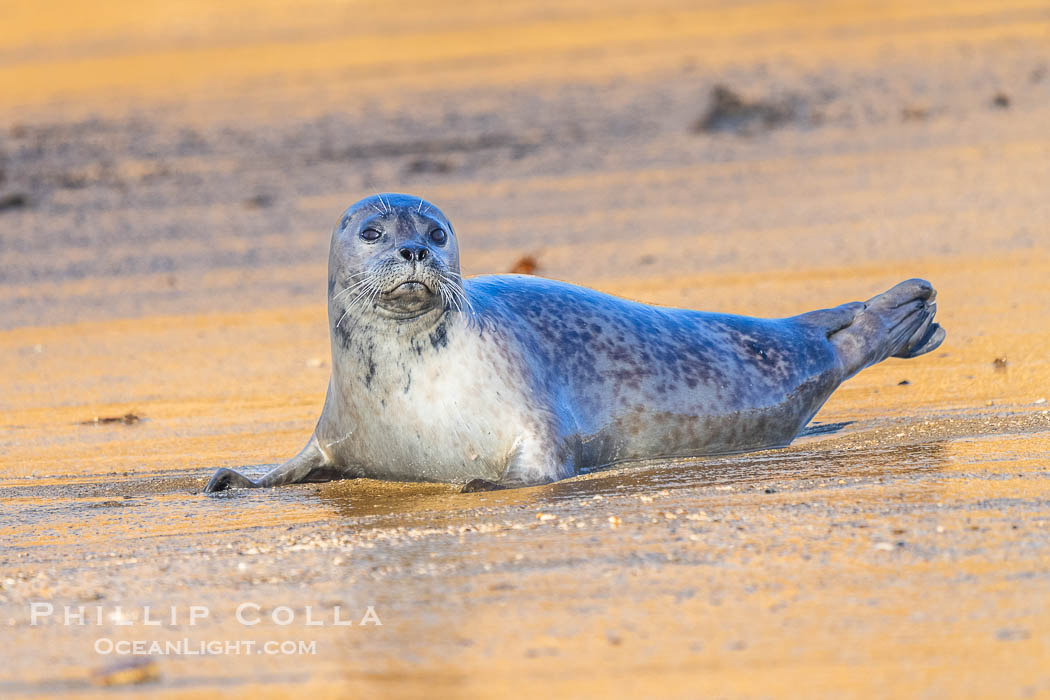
(310, 465)
(480, 486)
(228, 479)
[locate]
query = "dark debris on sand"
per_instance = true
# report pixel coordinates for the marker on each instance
(259, 201)
(425, 166)
(914, 113)
(728, 111)
(136, 671)
(15, 200)
(526, 265)
(126, 419)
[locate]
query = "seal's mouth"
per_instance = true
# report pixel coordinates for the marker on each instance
(407, 299)
(410, 287)
(411, 292)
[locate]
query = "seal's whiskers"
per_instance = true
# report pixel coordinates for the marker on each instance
(356, 285)
(369, 288)
(454, 283)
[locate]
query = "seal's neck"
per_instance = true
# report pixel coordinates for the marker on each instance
(409, 328)
(410, 335)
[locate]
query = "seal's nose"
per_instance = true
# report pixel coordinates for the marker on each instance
(413, 251)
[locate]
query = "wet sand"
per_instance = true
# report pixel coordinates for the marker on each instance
(169, 181)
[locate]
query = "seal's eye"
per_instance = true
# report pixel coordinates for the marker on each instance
(438, 236)
(370, 235)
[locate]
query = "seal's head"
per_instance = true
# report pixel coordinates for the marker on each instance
(393, 256)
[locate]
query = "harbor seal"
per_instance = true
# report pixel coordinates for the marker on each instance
(511, 380)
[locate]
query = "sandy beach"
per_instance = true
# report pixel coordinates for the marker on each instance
(169, 178)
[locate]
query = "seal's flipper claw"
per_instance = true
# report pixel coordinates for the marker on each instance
(228, 479)
(480, 485)
(307, 466)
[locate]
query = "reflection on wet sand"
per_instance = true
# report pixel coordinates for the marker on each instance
(766, 467)
(860, 454)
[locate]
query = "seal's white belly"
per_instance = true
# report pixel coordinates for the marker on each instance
(449, 415)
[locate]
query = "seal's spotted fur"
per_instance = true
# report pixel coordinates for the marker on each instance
(515, 380)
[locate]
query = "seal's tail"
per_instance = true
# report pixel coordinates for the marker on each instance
(896, 323)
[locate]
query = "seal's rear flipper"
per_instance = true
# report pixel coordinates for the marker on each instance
(896, 323)
(309, 465)
(930, 340)
(830, 321)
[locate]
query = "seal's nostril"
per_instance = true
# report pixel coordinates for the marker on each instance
(421, 253)
(405, 253)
